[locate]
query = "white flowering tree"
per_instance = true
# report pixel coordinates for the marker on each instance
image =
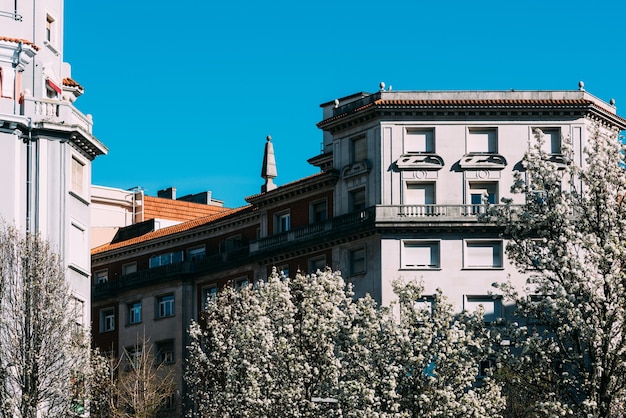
(43, 355)
(303, 347)
(567, 353)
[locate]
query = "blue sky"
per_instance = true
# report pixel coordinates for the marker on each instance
(184, 93)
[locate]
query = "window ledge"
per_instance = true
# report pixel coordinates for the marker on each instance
(79, 270)
(80, 198)
(421, 268)
(160, 318)
(483, 268)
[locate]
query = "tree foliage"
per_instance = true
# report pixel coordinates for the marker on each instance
(43, 356)
(303, 347)
(567, 352)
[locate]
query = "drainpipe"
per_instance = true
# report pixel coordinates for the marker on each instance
(29, 173)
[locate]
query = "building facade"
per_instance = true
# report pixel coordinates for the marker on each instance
(403, 179)
(46, 144)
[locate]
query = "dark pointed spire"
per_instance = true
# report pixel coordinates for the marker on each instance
(268, 171)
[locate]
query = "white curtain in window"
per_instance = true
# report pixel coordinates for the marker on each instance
(481, 140)
(420, 254)
(483, 254)
(419, 141)
(420, 194)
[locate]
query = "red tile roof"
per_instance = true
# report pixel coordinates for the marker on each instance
(18, 40)
(186, 226)
(71, 83)
(177, 210)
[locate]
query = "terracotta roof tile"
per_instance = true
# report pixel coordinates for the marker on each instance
(18, 40)
(177, 210)
(67, 81)
(186, 226)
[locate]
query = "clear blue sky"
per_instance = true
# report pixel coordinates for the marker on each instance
(184, 93)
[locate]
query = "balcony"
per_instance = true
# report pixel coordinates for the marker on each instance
(55, 111)
(380, 216)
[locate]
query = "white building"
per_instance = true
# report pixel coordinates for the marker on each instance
(46, 144)
(423, 160)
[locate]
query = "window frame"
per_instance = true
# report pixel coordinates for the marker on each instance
(196, 253)
(132, 265)
(162, 301)
(477, 300)
(357, 199)
(205, 291)
(101, 279)
(279, 225)
(474, 131)
(107, 319)
(435, 253)
(78, 181)
(314, 216)
(315, 261)
(429, 140)
(362, 259)
(358, 149)
(496, 245)
(133, 312)
(169, 353)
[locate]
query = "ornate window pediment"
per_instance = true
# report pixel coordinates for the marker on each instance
(355, 169)
(483, 161)
(423, 161)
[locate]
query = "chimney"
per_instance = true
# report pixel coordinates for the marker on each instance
(169, 193)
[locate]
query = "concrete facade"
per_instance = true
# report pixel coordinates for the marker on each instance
(46, 144)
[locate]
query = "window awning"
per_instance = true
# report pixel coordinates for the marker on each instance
(53, 86)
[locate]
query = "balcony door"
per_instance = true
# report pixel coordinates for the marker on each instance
(419, 198)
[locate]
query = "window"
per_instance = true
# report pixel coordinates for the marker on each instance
(357, 199)
(484, 366)
(425, 303)
(283, 222)
(134, 313)
(480, 190)
(231, 243)
(197, 253)
(209, 293)
(165, 306)
(318, 211)
(317, 263)
(49, 28)
(419, 194)
(129, 268)
(358, 150)
(491, 305)
(134, 357)
(241, 283)
(78, 177)
(420, 254)
(78, 254)
(552, 140)
(101, 276)
(165, 259)
(283, 270)
(107, 320)
(483, 254)
(357, 261)
(165, 352)
(419, 141)
(482, 141)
